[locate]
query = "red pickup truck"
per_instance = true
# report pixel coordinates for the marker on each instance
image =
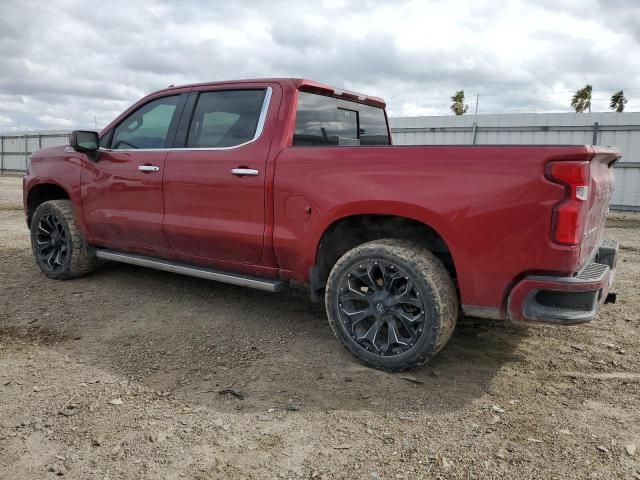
(263, 183)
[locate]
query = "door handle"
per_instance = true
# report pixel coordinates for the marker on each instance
(244, 172)
(148, 168)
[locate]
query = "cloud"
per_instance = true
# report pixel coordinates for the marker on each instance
(77, 62)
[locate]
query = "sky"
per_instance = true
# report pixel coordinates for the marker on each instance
(78, 63)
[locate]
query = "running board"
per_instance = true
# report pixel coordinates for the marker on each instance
(200, 272)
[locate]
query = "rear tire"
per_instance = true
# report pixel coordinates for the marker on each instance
(391, 303)
(58, 246)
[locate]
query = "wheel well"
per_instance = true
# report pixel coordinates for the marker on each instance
(43, 193)
(350, 232)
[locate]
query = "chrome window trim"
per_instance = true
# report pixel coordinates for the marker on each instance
(259, 128)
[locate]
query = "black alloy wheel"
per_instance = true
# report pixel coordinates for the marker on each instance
(52, 243)
(381, 307)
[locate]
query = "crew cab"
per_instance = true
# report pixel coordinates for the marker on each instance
(265, 183)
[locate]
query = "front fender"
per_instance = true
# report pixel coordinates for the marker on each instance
(60, 168)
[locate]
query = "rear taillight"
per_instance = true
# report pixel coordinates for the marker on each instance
(569, 215)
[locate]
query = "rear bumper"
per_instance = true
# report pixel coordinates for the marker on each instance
(565, 300)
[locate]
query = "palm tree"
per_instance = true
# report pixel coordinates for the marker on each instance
(581, 100)
(618, 101)
(458, 106)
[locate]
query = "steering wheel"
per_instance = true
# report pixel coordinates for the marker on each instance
(121, 142)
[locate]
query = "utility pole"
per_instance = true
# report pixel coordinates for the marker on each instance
(26, 150)
(475, 119)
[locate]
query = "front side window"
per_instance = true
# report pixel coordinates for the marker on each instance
(147, 127)
(322, 121)
(225, 118)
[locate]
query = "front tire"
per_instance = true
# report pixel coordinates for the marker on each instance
(391, 303)
(57, 243)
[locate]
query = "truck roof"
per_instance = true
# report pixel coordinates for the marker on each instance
(302, 84)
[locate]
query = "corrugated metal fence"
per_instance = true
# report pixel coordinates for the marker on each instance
(621, 130)
(16, 149)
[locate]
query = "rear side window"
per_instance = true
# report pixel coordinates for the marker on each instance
(225, 118)
(147, 127)
(322, 121)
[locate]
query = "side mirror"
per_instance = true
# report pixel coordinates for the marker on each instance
(84, 141)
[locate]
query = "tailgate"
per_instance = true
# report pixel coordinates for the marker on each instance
(600, 192)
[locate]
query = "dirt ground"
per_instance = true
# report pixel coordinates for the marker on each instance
(138, 374)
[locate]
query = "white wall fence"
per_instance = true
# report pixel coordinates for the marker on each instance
(621, 130)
